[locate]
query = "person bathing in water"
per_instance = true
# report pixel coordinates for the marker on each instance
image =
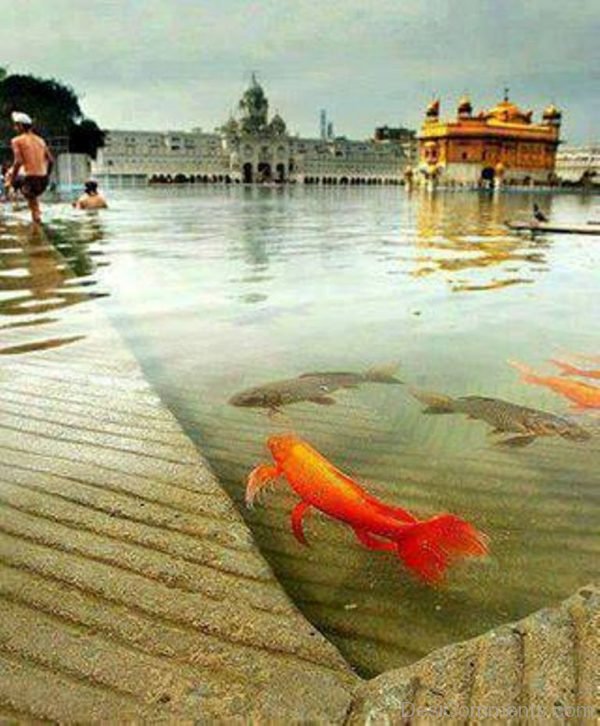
(32, 165)
(91, 197)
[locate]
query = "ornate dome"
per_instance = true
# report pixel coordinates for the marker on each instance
(254, 107)
(464, 106)
(508, 111)
(231, 127)
(277, 125)
(433, 110)
(551, 113)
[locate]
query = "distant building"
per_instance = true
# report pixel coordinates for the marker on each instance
(492, 148)
(579, 165)
(406, 138)
(130, 157)
(249, 148)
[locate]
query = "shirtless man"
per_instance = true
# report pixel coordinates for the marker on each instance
(33, 159)
(91, 198)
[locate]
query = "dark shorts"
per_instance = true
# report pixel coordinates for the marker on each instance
(31, 187)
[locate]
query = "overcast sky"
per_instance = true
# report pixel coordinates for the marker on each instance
(158, 64)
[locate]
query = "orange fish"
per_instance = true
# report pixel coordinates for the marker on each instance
(426, 547)
(583, 395)
(569, 370)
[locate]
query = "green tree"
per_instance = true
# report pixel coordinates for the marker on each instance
(54, 108)
(86, 138)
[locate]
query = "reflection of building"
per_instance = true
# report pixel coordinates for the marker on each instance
(500, 146)
(579, 164)
(464, 239)
(250, 148)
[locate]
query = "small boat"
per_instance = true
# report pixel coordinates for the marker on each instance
(552, 227)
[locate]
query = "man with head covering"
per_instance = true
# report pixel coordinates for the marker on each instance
(32, 163)
(91, 197)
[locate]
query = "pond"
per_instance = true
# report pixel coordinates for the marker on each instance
(220, 289)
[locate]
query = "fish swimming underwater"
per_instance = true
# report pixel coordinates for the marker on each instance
(426, 547)
(315, 387)
(583, 395)
(505, 417)
(568, 370)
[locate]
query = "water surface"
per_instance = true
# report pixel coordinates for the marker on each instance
(218, 289)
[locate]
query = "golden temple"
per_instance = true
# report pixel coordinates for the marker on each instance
(490, 149)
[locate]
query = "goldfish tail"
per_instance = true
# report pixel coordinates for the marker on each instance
(383, 373)
(565, 368)
(527, 374)
(428, 548)
(435, 402)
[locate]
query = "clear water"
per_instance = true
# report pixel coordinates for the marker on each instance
(219, 289)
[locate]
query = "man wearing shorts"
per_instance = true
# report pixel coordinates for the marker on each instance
(32, 164)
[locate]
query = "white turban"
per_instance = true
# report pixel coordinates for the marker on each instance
(18, 117)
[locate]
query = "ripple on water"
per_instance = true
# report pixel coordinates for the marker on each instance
(218, 290)
(45, 269)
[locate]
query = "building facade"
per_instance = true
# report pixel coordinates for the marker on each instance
(249, 148)
(579, 165)
(502, 146)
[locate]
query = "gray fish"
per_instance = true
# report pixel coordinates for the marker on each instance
(315, 387)
(505, 417)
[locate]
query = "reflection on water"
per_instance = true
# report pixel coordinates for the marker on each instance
(477, 239)
(222, 290)
(218, 290)
(45, 270)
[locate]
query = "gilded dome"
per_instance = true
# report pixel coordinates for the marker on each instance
(551, 112)
(433, 110)
(508, 111)
(465, 107)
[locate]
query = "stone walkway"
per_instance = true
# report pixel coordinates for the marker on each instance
(131, 589)
(130, 586)
(543, 669)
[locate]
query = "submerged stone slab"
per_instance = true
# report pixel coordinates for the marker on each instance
(130, 587)
(132, 591)
(544, 668)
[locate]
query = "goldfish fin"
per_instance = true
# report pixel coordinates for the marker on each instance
(373, 543)
(383, 373)
(521, 440)
(565, 368)
(436, 402)
(527, 374)
(297, 516)
(322, 400)
(428, 548)
(258, 479)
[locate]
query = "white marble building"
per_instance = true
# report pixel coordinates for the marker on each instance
(578, 164)
(249, 149)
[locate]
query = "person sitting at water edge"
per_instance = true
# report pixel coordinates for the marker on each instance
(538, 214)
(32, 164)
(91, 198)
